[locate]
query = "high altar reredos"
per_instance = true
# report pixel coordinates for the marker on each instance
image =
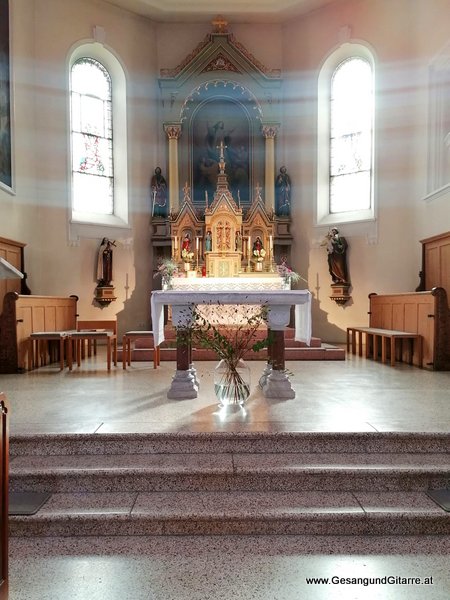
(220, 111)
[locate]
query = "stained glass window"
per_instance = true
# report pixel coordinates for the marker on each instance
(351, 120)
(92, 142)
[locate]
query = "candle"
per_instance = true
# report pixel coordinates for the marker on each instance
(196, 244)
(270, 246)
(249, 242)
(175, 243)
(206, 198)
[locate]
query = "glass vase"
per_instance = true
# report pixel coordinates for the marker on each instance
(166, 282)
(232, 385)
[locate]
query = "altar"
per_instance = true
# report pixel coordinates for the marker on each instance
(242, 282)
(184, 384)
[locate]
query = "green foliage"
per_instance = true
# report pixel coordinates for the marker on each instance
(230, 342)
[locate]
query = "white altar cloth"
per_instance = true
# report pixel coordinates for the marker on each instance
(227, 283)
(278, 302)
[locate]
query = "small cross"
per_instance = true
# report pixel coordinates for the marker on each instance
(186, 191)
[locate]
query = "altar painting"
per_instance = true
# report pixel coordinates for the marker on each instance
(216, 121)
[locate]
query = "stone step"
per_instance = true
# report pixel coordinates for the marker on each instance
(325, 352)
(142, 350)
(239, 442)
(244, 513)
(230, 472)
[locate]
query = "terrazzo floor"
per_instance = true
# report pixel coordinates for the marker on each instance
(355, 395)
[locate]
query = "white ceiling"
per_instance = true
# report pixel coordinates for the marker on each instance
(240, 11)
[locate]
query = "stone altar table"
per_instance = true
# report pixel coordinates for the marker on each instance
(279, 302)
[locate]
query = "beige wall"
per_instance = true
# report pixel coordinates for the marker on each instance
(383, 256)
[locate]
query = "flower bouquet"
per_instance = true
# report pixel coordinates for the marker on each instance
(289, 276)
(168, 269)
(186, 255)
(260, 254)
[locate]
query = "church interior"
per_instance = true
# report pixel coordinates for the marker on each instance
(210, 162)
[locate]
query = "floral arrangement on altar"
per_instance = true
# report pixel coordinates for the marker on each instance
(288, 274)
(168, 269)
(260, 254)
(186, 255)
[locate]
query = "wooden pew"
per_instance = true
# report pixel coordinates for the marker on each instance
(23, 315)
(423, 317)
(4, 463)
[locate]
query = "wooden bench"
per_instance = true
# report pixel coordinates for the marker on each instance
(132, 336)
(24, 315)
(373, 334)
(421, 318)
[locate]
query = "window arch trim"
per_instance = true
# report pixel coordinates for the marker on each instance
(324, 217)
(87, 224)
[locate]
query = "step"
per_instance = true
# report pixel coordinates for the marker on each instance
(294, 350)
(242, 513)
(200, 354)
(230, 442)
(229, 472)
(231, 483)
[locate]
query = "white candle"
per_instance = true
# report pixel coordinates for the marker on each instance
(196, 244)
(249, 244)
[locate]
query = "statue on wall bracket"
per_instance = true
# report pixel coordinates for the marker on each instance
(337, 266)
(104, 292)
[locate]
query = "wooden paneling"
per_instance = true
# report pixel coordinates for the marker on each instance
(23, 315)
(436, 262)
(12, 252)
(425, 313)
(4, 460)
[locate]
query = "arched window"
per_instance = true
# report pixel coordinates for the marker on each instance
(92, 138)
(345, 139)
(98, 140)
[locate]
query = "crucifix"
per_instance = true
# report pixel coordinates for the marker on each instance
(187, 192)
(258, 191)
(221, 147)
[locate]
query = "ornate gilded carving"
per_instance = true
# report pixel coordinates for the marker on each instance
(190, 57)
(221, 63)
(173, 131)
(220, 25)
(273, 73)
(270, 131)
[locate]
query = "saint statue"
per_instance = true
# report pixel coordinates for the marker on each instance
(208, 241)
(159, 194)
(337, 256)
(104, 263)
(283, 193)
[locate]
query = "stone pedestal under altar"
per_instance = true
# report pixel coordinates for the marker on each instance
(184, 384)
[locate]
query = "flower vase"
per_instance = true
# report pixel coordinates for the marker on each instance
(232, 385)
(166, 282)
(286, 283)
(259, 266)
(187, 266)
